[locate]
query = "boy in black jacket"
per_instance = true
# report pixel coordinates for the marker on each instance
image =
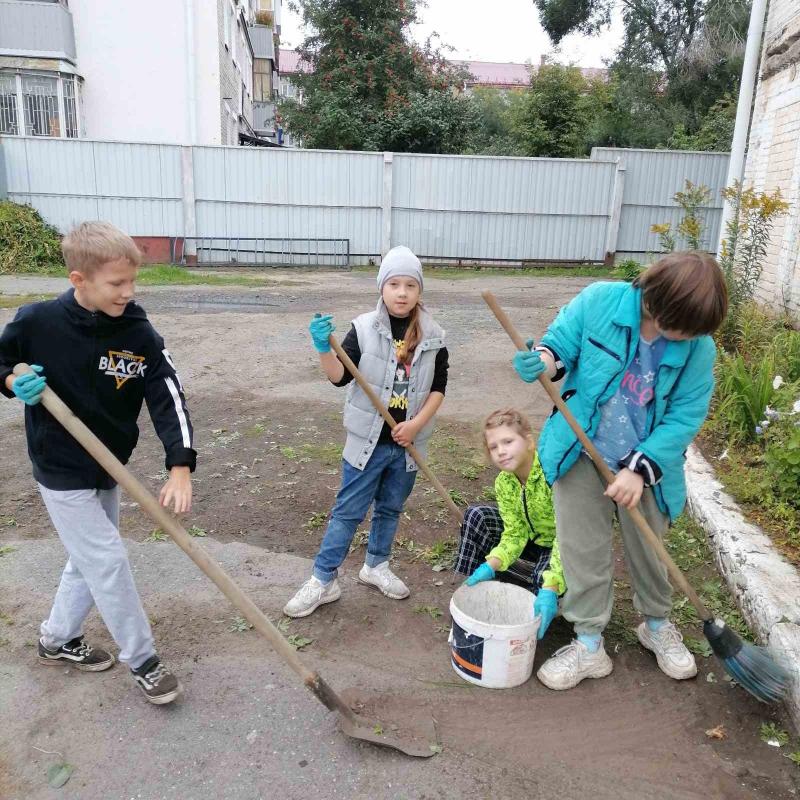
(96, 349)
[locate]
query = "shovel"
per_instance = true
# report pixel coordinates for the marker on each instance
(418, 739)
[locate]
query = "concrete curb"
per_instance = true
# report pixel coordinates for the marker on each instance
(766, 586)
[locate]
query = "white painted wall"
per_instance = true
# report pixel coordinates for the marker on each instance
(150, 69)
(132, 58)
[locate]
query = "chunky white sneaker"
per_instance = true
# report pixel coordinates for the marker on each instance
(312, 594)
(671, 654)
(384, 580)
(568, 666)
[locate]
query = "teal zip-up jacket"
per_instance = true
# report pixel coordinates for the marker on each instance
(594, 339)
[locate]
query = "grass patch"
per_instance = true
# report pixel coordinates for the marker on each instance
(17, 300)
(688, 546)
(745, 476)
(330, 453)
(315, 521)
(171, 275)
(434, 612)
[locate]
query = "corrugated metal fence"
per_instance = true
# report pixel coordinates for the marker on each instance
(443, 207)
(651, 179)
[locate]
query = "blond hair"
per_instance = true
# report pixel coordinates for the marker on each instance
(507, 417)
(92, 244)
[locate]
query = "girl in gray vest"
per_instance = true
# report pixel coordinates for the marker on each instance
(400, 351)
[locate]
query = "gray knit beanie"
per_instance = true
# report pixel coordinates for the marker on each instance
(399, 261)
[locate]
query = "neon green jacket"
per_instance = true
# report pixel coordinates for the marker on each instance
(527, 514)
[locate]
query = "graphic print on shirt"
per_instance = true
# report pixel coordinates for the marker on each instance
(122, 366)
(623, 420)
(399, 398)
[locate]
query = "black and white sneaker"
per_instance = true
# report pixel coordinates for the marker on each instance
(78, 654)
(159, 685)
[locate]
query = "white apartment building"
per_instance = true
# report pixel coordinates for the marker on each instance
(171, 71)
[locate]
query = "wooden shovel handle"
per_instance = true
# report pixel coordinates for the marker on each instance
(108, 461)
(392, 423)
(678, 578)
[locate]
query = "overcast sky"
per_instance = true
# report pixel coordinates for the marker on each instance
(505, 30)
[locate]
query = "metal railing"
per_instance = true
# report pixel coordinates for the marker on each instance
(258, 251)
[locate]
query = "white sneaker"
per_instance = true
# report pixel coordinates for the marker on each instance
(384, 580)
(312, 594)
(568, 666)
(671, 654)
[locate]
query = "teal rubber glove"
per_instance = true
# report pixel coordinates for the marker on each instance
(483, 573)
(528, 365)
(29, 387)
(321, 328)
(545, 606)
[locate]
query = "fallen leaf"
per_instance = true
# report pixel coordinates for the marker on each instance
(717, 733)
(59, 774)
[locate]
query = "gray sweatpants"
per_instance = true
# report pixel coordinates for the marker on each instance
(97, 573)
(584, 523)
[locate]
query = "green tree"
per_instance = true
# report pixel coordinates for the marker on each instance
(370, 87)
(496, 109)
(555, 115)
(677, 59)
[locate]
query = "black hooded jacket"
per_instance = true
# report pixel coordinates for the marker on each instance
(103, 368)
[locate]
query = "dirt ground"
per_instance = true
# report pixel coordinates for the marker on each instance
(269, 436)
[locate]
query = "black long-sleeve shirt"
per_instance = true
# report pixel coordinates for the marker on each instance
(103, 368)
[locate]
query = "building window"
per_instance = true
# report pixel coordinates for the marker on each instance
(262, 86)
(70, 108)
(9, 119)
(40, 100)
(34, 104)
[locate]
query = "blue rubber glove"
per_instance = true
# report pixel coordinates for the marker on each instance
(321, 328)
(29, 387)
(545, 606)
(528, 364)
(483, 573)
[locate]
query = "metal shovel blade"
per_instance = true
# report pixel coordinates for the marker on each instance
(412, 730)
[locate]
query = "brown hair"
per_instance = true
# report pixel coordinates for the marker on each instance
(508, 417)
(685, 292)
(405, 354)
(92, 244)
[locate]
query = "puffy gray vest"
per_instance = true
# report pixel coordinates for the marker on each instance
(378, 364)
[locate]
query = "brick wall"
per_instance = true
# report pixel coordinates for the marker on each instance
(773, 159)
(230, 85)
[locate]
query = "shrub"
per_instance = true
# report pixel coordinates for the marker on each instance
(629, 270)
(27, 242)
(743, 393)
(744, 247)
(782, 457)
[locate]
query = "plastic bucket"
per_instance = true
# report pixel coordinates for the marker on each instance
(493, 638)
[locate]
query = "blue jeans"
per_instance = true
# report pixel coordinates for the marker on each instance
(385, 481)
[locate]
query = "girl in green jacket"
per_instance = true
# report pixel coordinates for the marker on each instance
(519, 536)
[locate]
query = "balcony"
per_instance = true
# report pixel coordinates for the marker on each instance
(264, 117)
(36, 30)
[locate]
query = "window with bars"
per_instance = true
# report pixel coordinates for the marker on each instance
(40, 101)
(39, 105)
(70, 108)
(9, 118)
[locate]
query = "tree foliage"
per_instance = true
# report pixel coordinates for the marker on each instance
(678, 60)
(369, 86)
